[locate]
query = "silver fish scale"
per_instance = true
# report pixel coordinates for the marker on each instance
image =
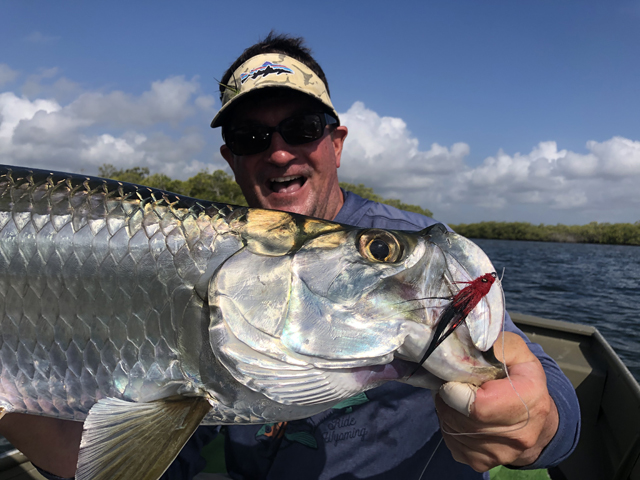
(95, 281)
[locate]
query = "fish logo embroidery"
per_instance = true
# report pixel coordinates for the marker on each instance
(275, 431)
(272, 430)
(267, 68)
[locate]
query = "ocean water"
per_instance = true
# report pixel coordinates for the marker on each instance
(597, 285)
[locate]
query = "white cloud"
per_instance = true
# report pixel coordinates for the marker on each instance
(164, 128)
(7, 75)
(619, 157)
(546, 183)
(381, 152)
(14, 110)
(168, 100)
(49, 128)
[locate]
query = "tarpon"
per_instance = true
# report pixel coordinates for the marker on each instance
(144, 313)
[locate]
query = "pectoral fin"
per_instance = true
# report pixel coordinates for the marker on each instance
(286, 383)
(124, 440)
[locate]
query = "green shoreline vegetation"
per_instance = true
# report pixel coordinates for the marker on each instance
(594, 232)
(219, 186)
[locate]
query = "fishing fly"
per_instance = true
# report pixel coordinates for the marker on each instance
(460, 307)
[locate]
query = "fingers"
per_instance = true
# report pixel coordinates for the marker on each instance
(480, 445)
(506, 421)
(454, 422)
(481, 454)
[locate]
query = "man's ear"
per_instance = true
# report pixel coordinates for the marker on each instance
(337, 139)
(228, 156)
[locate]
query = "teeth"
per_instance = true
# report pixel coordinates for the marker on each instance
(285, 179)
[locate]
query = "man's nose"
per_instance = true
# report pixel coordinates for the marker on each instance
(280, 151)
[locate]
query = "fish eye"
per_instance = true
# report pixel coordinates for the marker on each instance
(379, 246)
(379, 250)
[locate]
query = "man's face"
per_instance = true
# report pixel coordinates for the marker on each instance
(294, 178)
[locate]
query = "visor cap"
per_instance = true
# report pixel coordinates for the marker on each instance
(272, 70)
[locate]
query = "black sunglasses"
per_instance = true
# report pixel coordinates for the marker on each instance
(295, 130)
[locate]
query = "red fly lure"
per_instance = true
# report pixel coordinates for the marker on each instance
(461, 305)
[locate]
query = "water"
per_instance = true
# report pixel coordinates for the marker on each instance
(596, 285)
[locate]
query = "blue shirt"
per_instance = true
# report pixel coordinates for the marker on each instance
(389, 432)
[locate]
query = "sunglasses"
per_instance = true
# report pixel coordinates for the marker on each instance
(296, 130)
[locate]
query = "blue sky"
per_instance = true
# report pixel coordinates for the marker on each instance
(478, 110)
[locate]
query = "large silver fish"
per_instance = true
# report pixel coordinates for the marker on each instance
(145, 314)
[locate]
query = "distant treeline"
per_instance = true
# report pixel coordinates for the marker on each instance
(594, 232)
(219, 186)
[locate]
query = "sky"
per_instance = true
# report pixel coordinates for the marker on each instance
(477, 110)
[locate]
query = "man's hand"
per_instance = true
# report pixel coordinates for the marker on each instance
(508, 434)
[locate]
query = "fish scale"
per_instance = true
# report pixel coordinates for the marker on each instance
(87, 267)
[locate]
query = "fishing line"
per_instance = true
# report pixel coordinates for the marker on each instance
(425, 298)
(430, 458)
(504, 365)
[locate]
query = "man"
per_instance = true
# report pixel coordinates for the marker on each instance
(283, 140)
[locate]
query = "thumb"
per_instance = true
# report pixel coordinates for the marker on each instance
(459, 396)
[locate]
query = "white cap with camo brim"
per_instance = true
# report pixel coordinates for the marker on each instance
(271, 70)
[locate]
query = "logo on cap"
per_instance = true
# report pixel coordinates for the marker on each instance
(267, 68)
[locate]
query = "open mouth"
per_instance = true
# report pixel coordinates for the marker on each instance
(288, 184)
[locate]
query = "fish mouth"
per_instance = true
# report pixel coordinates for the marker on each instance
(408, 370)
(286, 184)
(456, 359)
